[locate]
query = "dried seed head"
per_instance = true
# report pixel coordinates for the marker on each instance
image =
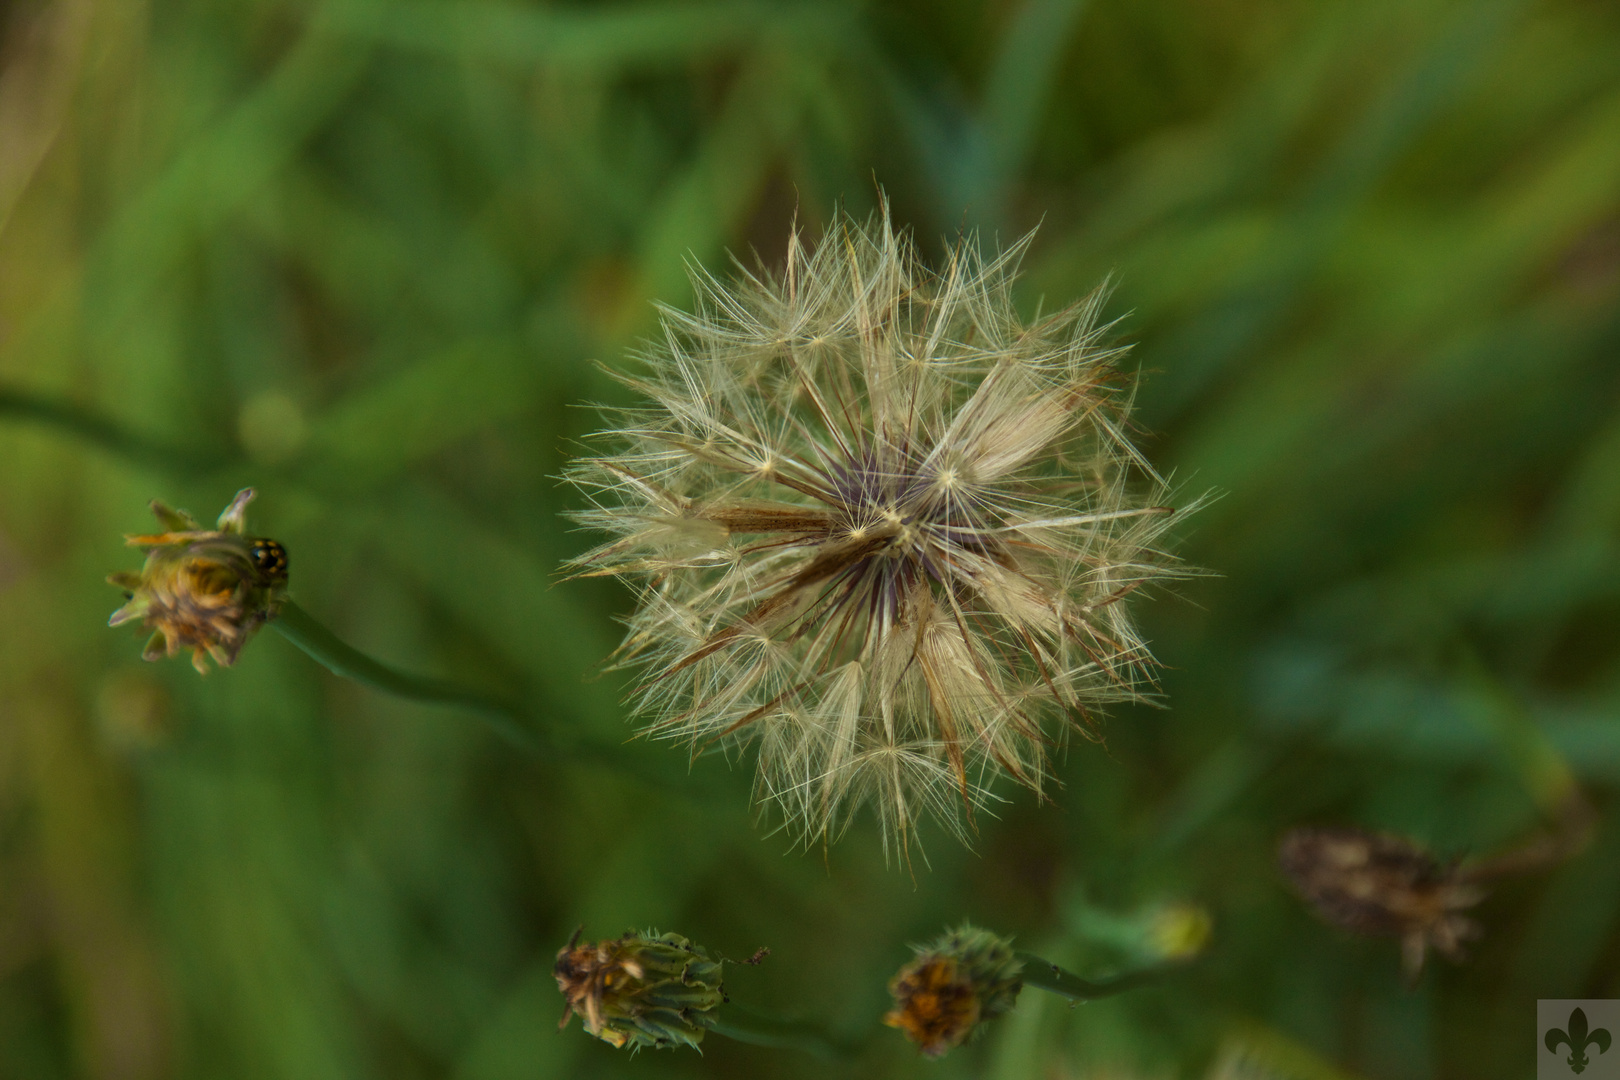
(640, 990)
(880, 527)
(954, 987)
(1380, 885)
(207, 590)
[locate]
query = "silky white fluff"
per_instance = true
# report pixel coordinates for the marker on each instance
(880, 528)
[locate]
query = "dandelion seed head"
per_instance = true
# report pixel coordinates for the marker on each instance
(880, 528)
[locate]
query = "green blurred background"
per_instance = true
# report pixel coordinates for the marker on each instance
(359, 253)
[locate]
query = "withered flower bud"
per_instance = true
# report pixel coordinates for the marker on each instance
(954, 987)
(1380, 885)
(643, 989)
(207, 590)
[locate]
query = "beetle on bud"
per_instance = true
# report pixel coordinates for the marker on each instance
(207, 590)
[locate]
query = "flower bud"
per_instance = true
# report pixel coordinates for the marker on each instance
(1380, 885)
(1178, 931)
(955, 985)
(1164, 932)
(643, 989)
(207, 590)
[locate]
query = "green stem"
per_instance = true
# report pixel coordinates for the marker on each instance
(745, 1025)
(327, 649)
(1045, 975)
(105, 433)
(297, 626)
(507, 719)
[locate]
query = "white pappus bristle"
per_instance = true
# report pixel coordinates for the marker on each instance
(880, 528)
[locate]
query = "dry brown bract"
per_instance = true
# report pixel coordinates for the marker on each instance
(1383, 886)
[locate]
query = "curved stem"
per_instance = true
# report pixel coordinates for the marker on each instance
(297, 625)
(1045, 975)
(103, 432)
(337, 656)
(505, 718)
(293, 622)
(746, 1025)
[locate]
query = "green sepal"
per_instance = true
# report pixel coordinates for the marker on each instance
(233, 519)
(173, 520)
(157, 647)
